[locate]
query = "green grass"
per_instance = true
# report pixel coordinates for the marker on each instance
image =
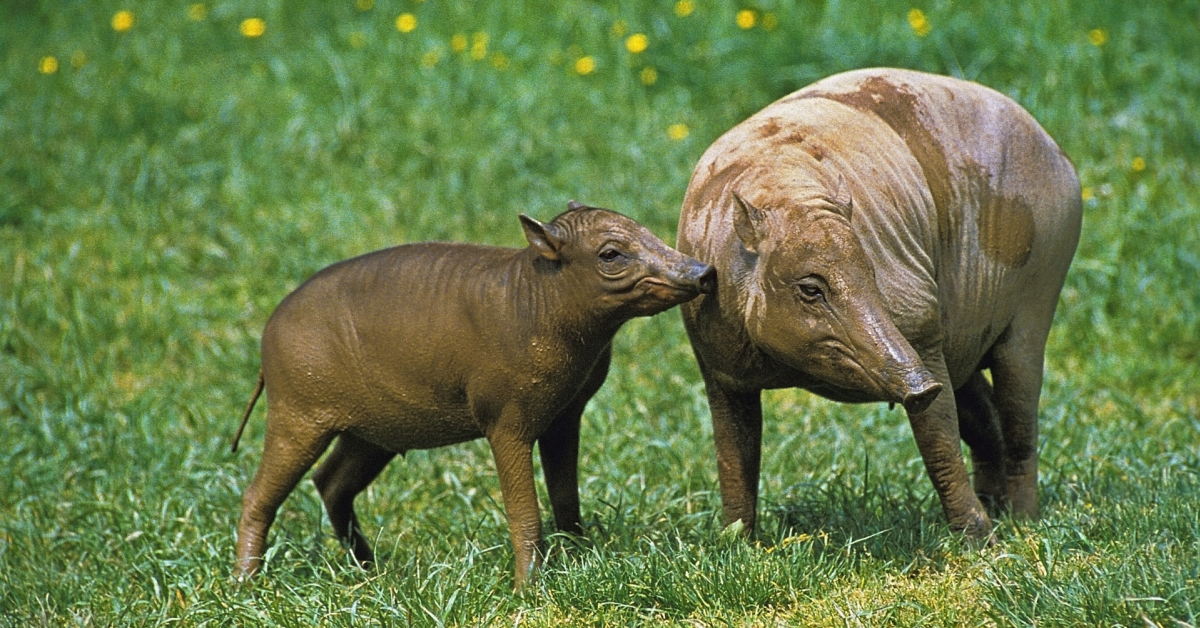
(164, 187)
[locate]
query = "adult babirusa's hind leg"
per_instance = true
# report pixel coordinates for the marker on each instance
(352, 465)
(290, 448)
(1017, 376)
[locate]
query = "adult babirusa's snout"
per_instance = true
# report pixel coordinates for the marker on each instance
(920, 389)
(902, 375)
(896, 369)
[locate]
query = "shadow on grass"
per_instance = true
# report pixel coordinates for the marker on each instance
(673, 566)
(883, 521)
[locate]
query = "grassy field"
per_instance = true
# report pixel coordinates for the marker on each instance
(169, 171)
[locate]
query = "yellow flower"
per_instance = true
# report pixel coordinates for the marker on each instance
(637, 43)
(500, 61)
(1087, 194)
(619, 28)
(197, 12)
(1138, 164)
(458, 42)
(677, 131)
(48, 65)
(479, 46)
(918, 22)
(253, 27)
(649, 76)
(585, 65)
(122, 21)
(770, 21)
(406, 22)
(1098, 37)
(746, 19)
(684, 8)
(431, 58)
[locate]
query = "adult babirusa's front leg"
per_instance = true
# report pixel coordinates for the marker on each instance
(737, 434)
(979, 424)
(936, 432)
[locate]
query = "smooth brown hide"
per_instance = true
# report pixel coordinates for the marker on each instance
(431, 344)
(885, 235)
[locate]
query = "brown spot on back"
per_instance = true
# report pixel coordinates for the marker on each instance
(717, 183)
(769, 129)
(1006, 227)
(1007, 236)
(772, 128)
(899, 108)
(817, 151)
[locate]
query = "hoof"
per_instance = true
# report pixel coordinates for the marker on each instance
(978, 529)
(244, 570)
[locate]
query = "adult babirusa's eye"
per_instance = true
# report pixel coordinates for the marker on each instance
(810, 289)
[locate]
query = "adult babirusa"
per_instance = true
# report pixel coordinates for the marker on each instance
(885, 235)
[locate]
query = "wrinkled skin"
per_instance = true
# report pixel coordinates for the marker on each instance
(885, 235)
(432, 344)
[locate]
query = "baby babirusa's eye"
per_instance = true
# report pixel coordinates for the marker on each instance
(610, 255)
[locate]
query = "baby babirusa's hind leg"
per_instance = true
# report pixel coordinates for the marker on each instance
(350, 467)
(290, 448)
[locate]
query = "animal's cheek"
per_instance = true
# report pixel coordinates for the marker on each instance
(618, 269)
(779, 324)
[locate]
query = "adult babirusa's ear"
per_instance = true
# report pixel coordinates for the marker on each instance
(546, 238)
(747, 223)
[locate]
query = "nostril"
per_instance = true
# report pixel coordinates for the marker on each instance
(708, 280)
(919, 401)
